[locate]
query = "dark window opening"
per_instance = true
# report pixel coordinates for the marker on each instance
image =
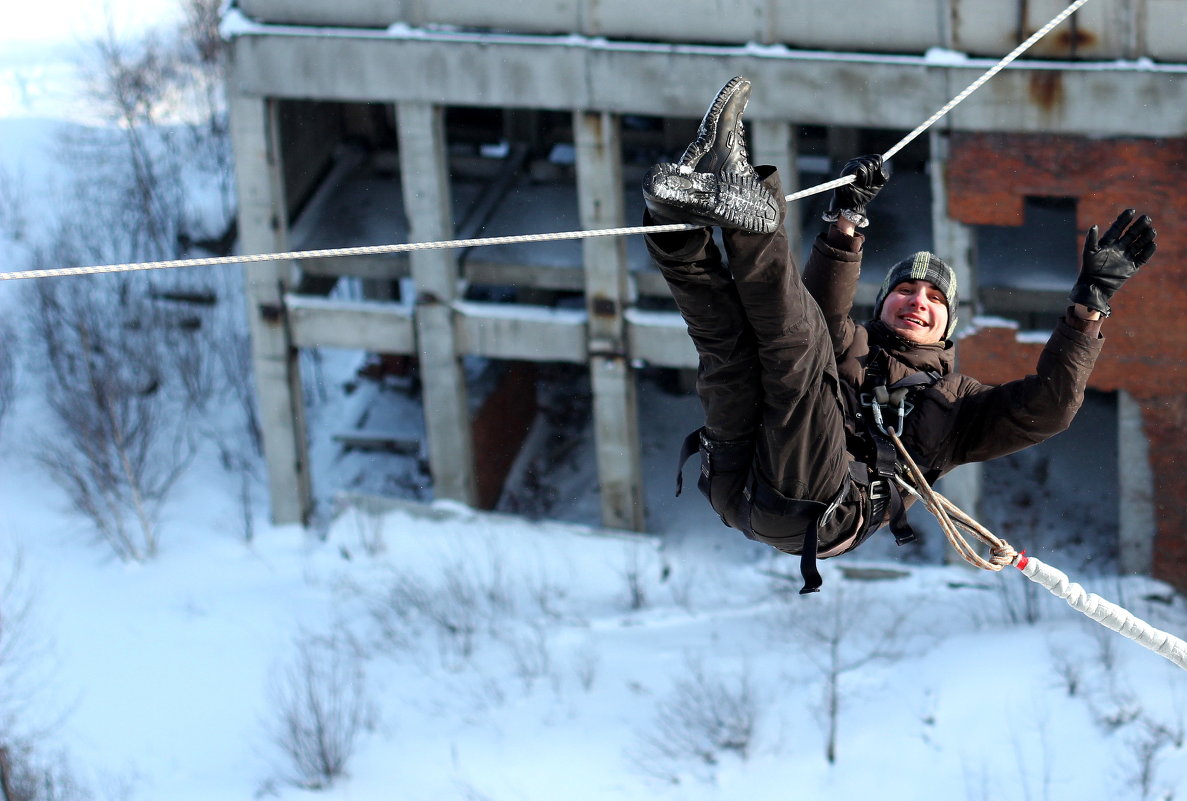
(1024, 272)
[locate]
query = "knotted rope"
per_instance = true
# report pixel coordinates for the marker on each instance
(374, 250)
(1054, 581)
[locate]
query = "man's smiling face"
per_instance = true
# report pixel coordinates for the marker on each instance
(916, 311)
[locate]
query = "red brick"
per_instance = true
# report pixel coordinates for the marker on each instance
(989, 175)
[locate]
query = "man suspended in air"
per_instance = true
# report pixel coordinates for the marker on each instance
(800, 400)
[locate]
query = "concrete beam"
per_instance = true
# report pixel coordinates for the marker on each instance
(1107, 29)
(660, 339)
(513, 332)
(858, 90)
(524, 333)
(373, 326)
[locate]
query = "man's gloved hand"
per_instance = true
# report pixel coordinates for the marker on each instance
(1112, 259)
(869, 176)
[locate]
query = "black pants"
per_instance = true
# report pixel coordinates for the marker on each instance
(767, 381)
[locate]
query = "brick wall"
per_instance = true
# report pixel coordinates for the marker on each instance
(990, 175)
(500, 428)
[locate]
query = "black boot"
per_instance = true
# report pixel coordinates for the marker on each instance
(714, 183)
(720, 144)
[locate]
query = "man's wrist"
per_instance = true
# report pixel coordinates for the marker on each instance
(1084, 313)
(858, 219)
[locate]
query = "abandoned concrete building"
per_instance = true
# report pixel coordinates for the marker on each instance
(470, 117)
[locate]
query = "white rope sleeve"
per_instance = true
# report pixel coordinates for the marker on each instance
(1107, 614)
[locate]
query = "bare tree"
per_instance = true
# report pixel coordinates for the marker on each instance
(8, 346)
(843, 631)
(133, 81)
(463, 603)
(207, 350)
(163, 91)
(14, 223)
(26, 774)
(119, 447)
(705, 716)
(1147, 746)
(203, 56)
(322, 710)
(20, 649)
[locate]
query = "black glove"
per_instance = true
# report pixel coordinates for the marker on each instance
(1109, 262)
(869, 176)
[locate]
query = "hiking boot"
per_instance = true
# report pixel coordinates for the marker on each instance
(713, 183)
(720, 145)
(727, 200)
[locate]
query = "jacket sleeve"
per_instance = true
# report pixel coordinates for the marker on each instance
(994, 421)
(831, 274)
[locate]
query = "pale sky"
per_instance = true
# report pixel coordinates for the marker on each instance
(71, 21)
(42, 43)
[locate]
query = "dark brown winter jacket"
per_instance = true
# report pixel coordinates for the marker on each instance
(957, 419)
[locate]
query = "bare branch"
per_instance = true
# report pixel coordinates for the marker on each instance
(117, 450)
(322, 709)
(704, 717)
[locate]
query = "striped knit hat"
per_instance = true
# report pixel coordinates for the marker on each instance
(922, 266)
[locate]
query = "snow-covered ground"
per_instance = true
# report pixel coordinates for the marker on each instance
(473, 656)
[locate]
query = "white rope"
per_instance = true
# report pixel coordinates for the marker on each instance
(953, 103)
(1107, 614)
(375, 250)
(361, 250)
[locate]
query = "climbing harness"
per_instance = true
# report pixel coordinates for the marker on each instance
(1002, 554)
(883, 401)
(374, 250)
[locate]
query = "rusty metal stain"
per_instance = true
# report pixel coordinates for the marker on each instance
(604, 307)
(1067, 42)
(1046, 89)
(1075, 39)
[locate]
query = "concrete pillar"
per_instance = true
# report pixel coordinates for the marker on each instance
(952, 241)
(263, 228)
(607, 294)
(1136, 527)
(424, 178)
(774, 143)
(963, 487)
(842, 145)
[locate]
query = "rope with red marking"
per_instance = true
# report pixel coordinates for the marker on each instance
(1056, 582)
(373, 250)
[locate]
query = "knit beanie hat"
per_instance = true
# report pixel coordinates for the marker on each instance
(922, 266)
